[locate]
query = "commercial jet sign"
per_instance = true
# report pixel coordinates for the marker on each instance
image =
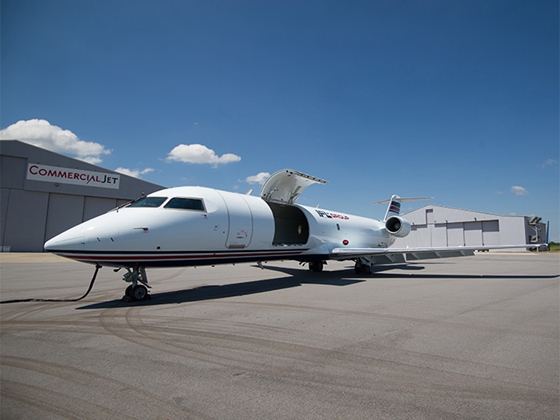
(38, 172)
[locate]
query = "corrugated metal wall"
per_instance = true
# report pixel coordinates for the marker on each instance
(443, 226)
(32, 212)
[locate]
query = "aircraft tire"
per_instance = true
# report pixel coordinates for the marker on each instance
(362, 269)
(139, 292)
(316, 266)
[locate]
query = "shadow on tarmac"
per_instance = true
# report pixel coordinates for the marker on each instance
(298, 278)
(211, 292)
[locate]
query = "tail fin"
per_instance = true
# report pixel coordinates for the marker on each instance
(394, 208)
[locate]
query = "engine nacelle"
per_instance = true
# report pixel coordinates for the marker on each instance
(397, 226)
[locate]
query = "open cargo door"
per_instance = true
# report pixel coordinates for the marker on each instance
(285, 186)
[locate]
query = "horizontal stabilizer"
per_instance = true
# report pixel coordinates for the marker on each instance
(403, 199)
(394, 207)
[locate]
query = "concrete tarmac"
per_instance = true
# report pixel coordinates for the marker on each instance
(464, 338)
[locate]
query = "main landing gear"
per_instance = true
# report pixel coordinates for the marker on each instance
(362, 267)
(138, 289)
(316, 266)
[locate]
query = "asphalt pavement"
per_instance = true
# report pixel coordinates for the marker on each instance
(462, 338)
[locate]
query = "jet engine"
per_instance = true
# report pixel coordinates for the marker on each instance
(397, 226)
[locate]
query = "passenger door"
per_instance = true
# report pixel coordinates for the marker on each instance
(240, 230)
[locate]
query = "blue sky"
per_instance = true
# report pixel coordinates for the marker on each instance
(452, 99)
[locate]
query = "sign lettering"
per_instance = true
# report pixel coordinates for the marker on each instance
(38, 172)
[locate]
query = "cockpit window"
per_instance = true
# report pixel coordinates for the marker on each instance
(185, 204)
(148, 202)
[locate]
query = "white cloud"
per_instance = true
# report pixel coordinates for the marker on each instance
(259, 178)
(91, 159)
(517, 190)
(133, 172)
(200, 154)
(42, 134)
(548, 162)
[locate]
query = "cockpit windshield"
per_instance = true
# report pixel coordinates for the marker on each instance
(148, 202)
(185, 204)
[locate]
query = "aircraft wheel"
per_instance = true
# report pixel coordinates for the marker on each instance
(362, 269)
(139, 292)
(316, 266)
(128, 291)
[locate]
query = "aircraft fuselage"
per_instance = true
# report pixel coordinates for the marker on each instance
(188, 226)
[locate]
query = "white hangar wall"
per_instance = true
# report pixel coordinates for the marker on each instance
(44, 193)
(434, 225)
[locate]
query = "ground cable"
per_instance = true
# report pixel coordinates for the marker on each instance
(97, 267)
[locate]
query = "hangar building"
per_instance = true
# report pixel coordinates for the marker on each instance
(434, 225)
(44, 193)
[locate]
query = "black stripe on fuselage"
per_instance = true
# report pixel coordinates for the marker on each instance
(176, 259)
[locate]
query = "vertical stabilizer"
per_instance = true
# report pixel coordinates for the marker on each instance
(394, 208)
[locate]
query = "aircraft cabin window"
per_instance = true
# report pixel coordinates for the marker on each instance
(148, 202)
(185, 204)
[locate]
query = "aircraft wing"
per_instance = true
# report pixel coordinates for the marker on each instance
(401, 255)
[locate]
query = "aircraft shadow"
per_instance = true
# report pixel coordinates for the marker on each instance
(463, 276)
(211, 292)
(297, 279)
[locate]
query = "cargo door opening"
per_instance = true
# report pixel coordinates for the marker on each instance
(290, 225)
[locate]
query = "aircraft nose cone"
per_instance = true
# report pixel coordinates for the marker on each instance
(71, 240)
(97, 234)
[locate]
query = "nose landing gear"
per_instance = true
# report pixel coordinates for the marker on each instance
(138, 292)
(138, 289)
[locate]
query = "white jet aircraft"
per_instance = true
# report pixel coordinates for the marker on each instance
(191, 226)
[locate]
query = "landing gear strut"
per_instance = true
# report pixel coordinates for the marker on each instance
(136, 291)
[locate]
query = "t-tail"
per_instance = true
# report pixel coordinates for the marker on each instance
(394, 207)
(394, 223)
